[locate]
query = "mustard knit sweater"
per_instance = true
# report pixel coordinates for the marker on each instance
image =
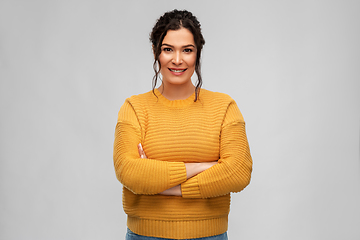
(173, 133)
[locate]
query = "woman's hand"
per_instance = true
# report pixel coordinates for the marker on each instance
(193, 169)
(174, 191)
(141, 151)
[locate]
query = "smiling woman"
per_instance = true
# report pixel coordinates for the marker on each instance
(179, 150)
(176, 25)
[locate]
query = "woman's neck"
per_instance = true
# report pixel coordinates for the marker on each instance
(176, 92)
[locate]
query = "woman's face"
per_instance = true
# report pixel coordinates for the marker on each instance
(177, 57)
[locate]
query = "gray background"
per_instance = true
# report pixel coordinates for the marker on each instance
(66, 67)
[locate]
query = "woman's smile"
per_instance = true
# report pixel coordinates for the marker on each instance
(177, 71)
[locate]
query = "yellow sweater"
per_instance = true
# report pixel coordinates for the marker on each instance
(173, 133)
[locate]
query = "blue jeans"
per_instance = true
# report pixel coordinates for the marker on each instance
(133, 236)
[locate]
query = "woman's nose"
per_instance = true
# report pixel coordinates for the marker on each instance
(177, 58)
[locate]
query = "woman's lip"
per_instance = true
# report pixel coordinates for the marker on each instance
(177, 71)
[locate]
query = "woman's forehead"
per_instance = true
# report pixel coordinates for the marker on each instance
(179, 38)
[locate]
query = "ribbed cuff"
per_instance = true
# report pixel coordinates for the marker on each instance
(177, 173)
(190, 188)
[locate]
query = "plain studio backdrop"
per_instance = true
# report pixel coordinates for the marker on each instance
(66, 67)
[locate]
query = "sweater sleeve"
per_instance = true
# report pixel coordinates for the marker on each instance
(141, 176)
(233, 171)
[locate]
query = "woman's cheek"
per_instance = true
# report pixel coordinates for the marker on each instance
(164, 58)
(191, 59)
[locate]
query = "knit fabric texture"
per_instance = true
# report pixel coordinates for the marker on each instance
(173, 133)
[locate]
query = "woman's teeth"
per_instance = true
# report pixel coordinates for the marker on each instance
(177, 71)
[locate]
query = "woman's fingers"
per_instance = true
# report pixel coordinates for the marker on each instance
(141, 151)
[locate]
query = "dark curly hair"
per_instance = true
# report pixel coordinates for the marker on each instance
(175, 20)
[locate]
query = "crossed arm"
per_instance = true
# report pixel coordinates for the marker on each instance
(192, 169)
(231, 173)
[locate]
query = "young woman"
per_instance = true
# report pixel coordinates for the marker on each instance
(179, 150)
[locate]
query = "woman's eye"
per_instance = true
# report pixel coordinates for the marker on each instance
(167, 49)
(188, 50)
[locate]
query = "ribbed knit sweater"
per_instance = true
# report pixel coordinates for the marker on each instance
(173, 133)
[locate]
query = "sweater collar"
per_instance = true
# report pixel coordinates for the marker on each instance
(175, 103)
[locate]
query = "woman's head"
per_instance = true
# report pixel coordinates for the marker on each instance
(175, 20)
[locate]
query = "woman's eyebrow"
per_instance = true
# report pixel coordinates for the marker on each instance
(189, 45)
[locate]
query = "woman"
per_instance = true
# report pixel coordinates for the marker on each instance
(179, 150)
